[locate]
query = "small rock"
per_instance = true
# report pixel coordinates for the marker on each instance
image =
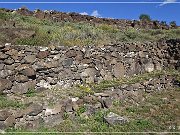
(4, 114)
(68, 62)
(3, 56)
(53, 120)
(101, 94)
(5, 84)
(70, 53)
(10, 121)
(44, 84)
(149, 67)
(53, 110)
(5, 73)
(42, 54)
(2, 46)
(118, 70)
(29, 72)
(21, 78)
(69, 106)
(30, 58)
(9, 61)
(2, 66)
(75, 99)
(34, 109)
(21, 88)
(42, 49)
(107, 102)
(2, 126)
(114, 119)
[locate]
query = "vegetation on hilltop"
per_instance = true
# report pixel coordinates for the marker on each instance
(68, 33)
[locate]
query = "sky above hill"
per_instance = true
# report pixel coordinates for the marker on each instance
(165, 10)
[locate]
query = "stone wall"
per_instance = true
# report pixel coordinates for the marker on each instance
(45, 68)
(75, 17)
(29, 67)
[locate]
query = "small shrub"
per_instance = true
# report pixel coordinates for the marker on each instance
(173, 24)
(144, 17)
(31, 93)
(81, 110)
(6, 103)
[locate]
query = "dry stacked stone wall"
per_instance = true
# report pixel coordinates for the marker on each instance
(30, 67)
(45, 68)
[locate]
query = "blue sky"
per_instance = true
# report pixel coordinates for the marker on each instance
(167, 12)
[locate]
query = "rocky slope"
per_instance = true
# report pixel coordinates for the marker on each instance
(72, 76)
(123, 86)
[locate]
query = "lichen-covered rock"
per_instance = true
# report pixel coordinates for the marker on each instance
(114, 119)
(42, 54)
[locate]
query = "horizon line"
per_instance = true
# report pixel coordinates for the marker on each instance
(38, 2)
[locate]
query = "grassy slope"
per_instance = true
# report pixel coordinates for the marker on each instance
(68, 33)
(156, 111)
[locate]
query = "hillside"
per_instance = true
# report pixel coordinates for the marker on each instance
(69, 73)
(30, 28)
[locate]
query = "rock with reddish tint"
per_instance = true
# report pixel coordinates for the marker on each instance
(42, 54)
(28, 72)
